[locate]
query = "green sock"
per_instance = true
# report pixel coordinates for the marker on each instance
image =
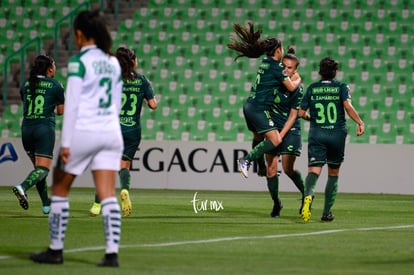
(42, 190)
(330, 193)
(97, 199)
(273, 186)
(259, 150)
(310, 184)
(36, 176)
(124, 178)
(298, 181)
(260, 161)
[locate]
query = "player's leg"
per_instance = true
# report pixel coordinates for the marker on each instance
(111, 214)
(104, 166)
(125, 181)
(273, 184)
(272, 140)
(335, 157)
(58, 218)
(260, 161)
(96, 206)
(258, 121)
(39, 142)
(331, 189)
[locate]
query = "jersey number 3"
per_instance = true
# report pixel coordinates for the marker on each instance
(107, 84)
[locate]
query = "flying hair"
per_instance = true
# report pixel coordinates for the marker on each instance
(247, 42)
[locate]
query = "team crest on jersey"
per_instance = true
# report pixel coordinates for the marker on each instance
(271, 123)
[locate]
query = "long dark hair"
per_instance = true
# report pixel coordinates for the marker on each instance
(92, 25)
(40, 66)
(126, 59)
(247, 42)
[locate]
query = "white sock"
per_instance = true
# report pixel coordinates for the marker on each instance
(58, 221)
(111, 216)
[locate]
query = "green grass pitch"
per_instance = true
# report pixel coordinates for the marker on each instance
(231, 233)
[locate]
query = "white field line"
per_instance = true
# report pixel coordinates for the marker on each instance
(243, 238)
(237, 238)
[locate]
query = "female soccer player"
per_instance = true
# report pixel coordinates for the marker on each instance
(42, 96)
(285, 116)
(91, 136)
(270, 77)
(326, 101)
(136, 89)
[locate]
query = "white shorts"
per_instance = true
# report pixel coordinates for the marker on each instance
(99, 151)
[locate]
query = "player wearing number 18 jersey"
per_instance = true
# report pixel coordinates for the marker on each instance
(42, 96)
(326, 101)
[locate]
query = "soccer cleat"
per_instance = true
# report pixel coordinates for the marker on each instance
(46, 209)
(95, 209)
(277, 206)
(110, 260)
(327, 217)
(243, 167)
(303, 201)
(126, 205)
(49, 256)
(21, 196)
(306, 210)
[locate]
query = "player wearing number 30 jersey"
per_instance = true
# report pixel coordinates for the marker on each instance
(326, 101)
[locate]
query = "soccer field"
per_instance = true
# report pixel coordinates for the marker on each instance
(231, 233)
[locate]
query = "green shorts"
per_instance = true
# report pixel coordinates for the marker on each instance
(258, 119)
(326, 146)
(132, 139)
(39, 139)
(291, 144)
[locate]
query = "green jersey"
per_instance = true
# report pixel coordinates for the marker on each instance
(269, 81)
(133, 94)
(39, 105)
(324, 100)
(283, 103)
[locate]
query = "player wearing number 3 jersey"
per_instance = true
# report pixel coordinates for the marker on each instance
(326, 102)
(91, 136)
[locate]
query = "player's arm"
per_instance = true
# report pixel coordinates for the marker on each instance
(303, 114)
(352, 113)
(292, 83)
(152, 103)
(293, 114)
(59, 109)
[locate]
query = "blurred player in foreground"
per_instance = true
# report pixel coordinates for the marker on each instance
(91, 136)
